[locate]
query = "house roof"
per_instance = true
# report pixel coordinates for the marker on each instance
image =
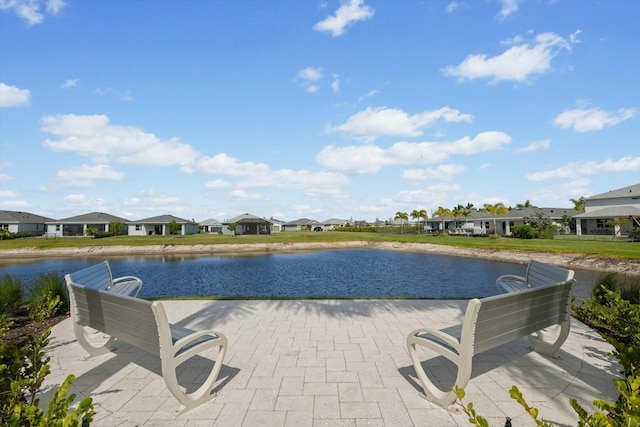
(610, 212)
(163, 219)
(630, 191)
(16, 217)
(90, 218)
(210, 221)
(302, 221)
(334, 221)
(245, 217)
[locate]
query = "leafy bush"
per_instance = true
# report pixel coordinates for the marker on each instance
(548, 232)
(48, 297)
(10, 294)
(22, 373)
(524, 231)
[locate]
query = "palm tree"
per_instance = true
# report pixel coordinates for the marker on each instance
(457, 212)
(442, 213)
(422, 213)
(578, 204)
(495, 210)
(403, 217)
(526, 204)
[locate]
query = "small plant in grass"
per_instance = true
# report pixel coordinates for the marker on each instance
(10, 294)
(22, 373)
(48, 297)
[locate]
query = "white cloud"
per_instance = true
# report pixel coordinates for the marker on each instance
(69, 83)
(440, 173)
(84, 175)
(509, 7)
(588, 120)
(535, 146)
(244, 195)
(94, 137)
(347, 13)
(75, 198)
(453, 6)
(7, 193)
(309, 77)
(254, 175)
(11, 96)
(30, 10)
(374, 122)
(563, 191)
(574, 170)
(371, 158)
(518, 63)
(217, 184)
(152, 200)
(335, 84)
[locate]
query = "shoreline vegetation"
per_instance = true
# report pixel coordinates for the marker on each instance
(622, 257)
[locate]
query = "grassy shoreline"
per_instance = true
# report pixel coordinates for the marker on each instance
(602, 246)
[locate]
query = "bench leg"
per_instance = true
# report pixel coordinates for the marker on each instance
(92, 341)
(549, 340)
(432, 392)
(204, 392)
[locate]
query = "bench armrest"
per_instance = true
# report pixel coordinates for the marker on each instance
(511, 278)
(511, 283)
(126, 285)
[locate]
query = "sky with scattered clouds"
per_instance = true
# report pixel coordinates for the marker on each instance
(353, 109)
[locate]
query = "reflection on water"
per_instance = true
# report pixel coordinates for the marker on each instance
(352, 273)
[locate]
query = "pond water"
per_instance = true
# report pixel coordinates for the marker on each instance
(352, 273)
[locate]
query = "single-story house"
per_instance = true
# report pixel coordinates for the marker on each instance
(23, 222)
(159, 225)
(600, 210)
(276, 225)
(302, 224)
(333, 223)
(210, 226)
(246, 224)
(76, 226)
(483, 221)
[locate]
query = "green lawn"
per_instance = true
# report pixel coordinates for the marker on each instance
(598, 245)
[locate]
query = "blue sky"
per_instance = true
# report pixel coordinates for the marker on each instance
(289, 109)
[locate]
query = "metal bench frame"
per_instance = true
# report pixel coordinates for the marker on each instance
(537, 274)
(491, 322)
(143, 324)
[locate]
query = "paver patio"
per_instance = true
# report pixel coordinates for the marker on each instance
(333, 363)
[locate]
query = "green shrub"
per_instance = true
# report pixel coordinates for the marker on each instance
(524, 231)
(548, 232)
(22, 373)
(10, 294)
(48, 297)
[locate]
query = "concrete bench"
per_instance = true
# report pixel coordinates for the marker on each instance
(537, 274)
(143, 324)
(99, 276)
(491, 322)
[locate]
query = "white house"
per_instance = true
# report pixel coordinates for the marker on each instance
(159, 225)
(23, 222)
(601, 209)
(76, 226)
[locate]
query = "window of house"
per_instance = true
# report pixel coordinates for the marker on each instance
(602, 223)
(57, 227)
(138, 228)
(4, 226)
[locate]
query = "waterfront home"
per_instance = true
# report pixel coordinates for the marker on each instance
(23, 222)
(246, 224)
(76, 226)
(302, 224)
(210, 226)
(159, 225)
(602, 210)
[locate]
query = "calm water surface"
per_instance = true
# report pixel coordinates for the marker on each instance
(356, 273)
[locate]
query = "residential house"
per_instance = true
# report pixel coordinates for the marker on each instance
(76, 226)
(210, 226)
(159, 225)
(333, 223)
(23, 222)
(483, 222)
(602, 209)
(276, 225)
(302, 224)
(246, 224)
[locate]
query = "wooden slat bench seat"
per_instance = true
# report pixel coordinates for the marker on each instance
(491, 322)
(99, 276)
(537, 274)
(143, 324)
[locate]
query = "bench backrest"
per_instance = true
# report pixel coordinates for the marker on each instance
(540, 274)
(504, 318)
(129, 319)
(97, 276)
